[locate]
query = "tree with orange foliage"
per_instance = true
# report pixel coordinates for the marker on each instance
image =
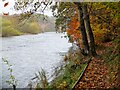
(77, 26)
(72, 31)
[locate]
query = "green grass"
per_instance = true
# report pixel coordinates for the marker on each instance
(68, 78)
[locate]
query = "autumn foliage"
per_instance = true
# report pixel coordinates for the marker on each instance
(6, 4)
(73, 30)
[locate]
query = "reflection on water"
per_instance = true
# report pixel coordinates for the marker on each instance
(29, 53)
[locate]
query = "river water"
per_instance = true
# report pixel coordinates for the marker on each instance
(29, 53)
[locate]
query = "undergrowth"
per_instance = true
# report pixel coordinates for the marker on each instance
(66, 75)
(112, 61)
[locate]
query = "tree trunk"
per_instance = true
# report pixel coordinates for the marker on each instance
(89, 30)
(82, 28)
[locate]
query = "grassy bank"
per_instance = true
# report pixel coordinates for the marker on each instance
(67, 74)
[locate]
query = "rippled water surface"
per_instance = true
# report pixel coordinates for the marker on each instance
(29, 53)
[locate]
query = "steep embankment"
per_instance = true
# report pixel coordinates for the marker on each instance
(103, 71)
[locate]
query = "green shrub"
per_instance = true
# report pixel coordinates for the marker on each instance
(6, 23)
(32, 28)
(9, 28)
(10, 31)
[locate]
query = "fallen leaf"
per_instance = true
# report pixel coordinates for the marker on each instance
(6, 4)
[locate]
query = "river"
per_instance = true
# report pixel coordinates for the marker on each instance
(29, 53)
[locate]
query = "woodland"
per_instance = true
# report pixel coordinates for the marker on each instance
(15, 25)
(94, 28)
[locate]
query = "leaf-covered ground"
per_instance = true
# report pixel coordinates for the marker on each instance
(102, 73)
